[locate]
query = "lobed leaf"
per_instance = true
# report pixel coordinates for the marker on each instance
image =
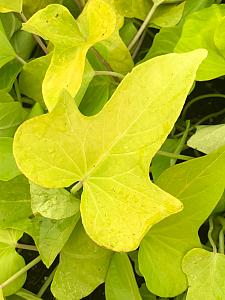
(109, 153)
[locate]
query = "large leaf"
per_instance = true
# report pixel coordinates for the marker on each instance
(111, 158)
(53, 203)
(83, 266)
(206, 275)
(7, 52)
(208, 138)
(198, 32)
(10, 261)
(71, 40)
(8, 168)
(14, 5)
(199, 184)
(120, 280)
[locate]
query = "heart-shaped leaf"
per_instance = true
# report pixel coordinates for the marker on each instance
(71, 40)
(206, 274)
(109, 153)
(199, 184)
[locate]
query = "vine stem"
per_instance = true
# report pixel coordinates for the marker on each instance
(46, 284)
(109, 73)
(210, 235)
(26, 247)
(144, 24)
(17, 90)
(21, 60)
(76, 187)
(221, 241)
(37, 38)
(174, 155)
(21, 272)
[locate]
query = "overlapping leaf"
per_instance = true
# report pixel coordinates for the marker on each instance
(199, 184)
(199, 31)
(83, 266)
(109, 153)
(7, 6)
(10, 261)
(7, 52)
(206, 275)
(120, 280)
(71, 40)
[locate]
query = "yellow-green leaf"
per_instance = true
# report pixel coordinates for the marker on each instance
(71, 40)
(109, 153)
(10, 5)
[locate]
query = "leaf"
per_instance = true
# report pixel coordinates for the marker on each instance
(111, 159)
(10, 24)
(198, 32)
(8, 75)
(120, 280)
(51, 235)
(199, 184)
(10, 261)
(12, 114)
(145, 294)
(30, 7)
(71, 40)
(208, 138)
(7, 6)
(53, 203)
(219, 38)
(8, 168)
(206, 275)
(6, 50)
(1, 294)
(24, 295)
(83, 266)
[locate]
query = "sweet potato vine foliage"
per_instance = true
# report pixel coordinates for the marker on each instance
(106, 177)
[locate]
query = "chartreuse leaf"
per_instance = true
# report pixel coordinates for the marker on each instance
(198, 31)
(7, 6)
(199, 184)
(15, 212)
(8, 168)
(109, 153)
(10, 261)
(8, 74)
(83, 266)
(206, 274)
(208, 138)
(7, 52)
(53, 203)
(71, 40)
(1, 294)
(23, 295)
(120, 280)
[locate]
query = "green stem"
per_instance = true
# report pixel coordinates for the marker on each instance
(173, 1)
(210, 235)
(21, 60)
(37, 38)
(139, 44)
(79, 5)
(173, 155)
(221, 241)
(76, 187)
(109, 73)
(20, 272)
(26, 247)
(196, 99)
(46, 284)
(144, 24)
(181, 144)
(213, 115)
(17, 90)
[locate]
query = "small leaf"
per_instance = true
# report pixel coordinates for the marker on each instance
(208, 138)
(10, 261)
(198, 31)
(7, 6)
(71, 40)
(199, 184)
(53, 203)
(206, 274)
(83, 267)
(8, 75)
(120, 280)
(7, 52)
(8, 168)
(110, 152)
